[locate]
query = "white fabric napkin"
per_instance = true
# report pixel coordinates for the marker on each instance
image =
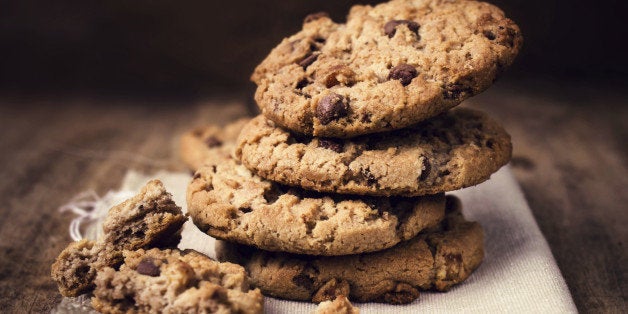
(518, 274)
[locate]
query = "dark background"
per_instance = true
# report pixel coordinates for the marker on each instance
(197, 48)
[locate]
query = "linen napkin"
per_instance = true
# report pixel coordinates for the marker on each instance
(518, 274)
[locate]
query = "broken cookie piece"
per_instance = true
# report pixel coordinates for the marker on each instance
(149, 219)
(174, 281)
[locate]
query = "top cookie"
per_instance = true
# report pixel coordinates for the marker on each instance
(456, 149)
(388, 67)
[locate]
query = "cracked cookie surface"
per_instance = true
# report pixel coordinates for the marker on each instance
(436, 259)
(207, 144)
(456, 149)
(174, 281)
(388, 67)
(228, 202)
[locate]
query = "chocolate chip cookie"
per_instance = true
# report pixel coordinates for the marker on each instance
(436, 259)
(456, 149)
(149, 219)
(388, 67)
(173, 281)
(209, 143)
(228, 202)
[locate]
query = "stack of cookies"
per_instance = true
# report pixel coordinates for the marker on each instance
(338, 188)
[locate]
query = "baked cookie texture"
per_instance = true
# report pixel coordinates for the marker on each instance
(210, 143)
(173, 281)
(436, 259)
(340, 305)
(228, 202)
(390, 66)
(149, 219)
(457, 149)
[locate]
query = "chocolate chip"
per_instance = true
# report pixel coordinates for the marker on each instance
(489, 144)
(404, 73)
(488, 34)
(302, 83)
(390, 28)
(147, 267)
(331, 107)
(212, 141)
(370, 178)
(402, 294)
(197, 175)
(330, 144)
(502, 34)
(426, 169)
(303, 280)
(209, 187)
(309, 59)
(314, 16)
(455, 91)
(453, 259)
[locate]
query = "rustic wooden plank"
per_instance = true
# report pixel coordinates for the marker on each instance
(569, 156)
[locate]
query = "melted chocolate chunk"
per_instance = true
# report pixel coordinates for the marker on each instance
(309, 59)
(404, 73)
(303, 83)
(456, 91)
(330, 144)
(330, 108)
(390, 28)
(403, 294)
(426, 169)
(147, 267)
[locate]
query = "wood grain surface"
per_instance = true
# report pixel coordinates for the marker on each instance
(569, 156)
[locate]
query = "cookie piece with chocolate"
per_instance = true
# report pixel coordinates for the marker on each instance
(173, 281)
(148, 220)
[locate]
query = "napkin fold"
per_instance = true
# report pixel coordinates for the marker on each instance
(518, 274)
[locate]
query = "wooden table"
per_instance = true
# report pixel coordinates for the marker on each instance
(569, 156)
